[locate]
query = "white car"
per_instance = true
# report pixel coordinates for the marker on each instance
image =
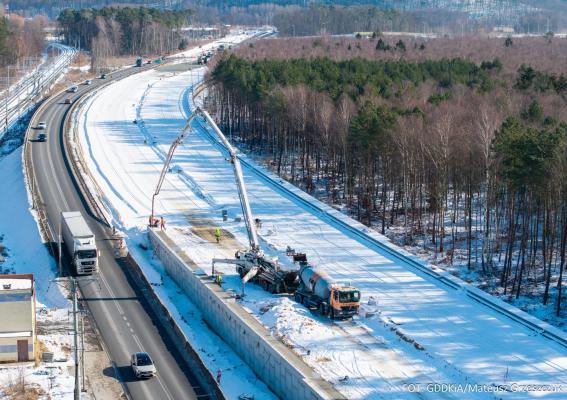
(88, 82)
(142, 365)
(73, 89)
(41, 125)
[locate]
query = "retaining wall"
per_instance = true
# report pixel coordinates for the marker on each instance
(276, 365)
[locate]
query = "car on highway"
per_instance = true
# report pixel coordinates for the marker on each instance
(68, 101)
(41, 125)
(42, 137)
(73, 89)
(142, 365)
(103, 76)
(88, 82)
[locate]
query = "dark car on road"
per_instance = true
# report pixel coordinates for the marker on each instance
(42, 137)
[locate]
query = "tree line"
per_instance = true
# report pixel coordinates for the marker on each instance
(109, 31)
(469, 162)
(20, 38)
(319, 19)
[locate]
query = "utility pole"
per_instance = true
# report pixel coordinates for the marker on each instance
(77, 393)
(80, 384)
(84, 387)
(59, 250)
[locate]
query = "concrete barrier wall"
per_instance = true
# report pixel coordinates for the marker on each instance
(276, 365)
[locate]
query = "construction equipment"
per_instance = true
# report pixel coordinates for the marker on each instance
(153, 221)
(311, 287)
(252, 264)
(318, 291)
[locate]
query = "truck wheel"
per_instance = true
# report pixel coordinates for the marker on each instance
(298, 298)
(323, 309)
(332, 313)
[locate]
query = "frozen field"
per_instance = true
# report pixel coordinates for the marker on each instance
(420, 332)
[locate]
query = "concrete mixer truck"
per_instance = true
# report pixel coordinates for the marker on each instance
(318, 291)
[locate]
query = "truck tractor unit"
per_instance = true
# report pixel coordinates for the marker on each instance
(79, 242)
(318, 291)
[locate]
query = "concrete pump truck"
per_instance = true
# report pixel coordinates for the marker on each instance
(310, 286)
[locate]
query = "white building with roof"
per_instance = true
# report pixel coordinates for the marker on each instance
(17, 318)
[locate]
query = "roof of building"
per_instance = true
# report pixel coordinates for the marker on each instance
(15, 334)
(16, 282)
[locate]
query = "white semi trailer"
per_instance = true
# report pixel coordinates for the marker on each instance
(79, 242)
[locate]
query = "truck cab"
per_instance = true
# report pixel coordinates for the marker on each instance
(345, 301)
(86, 255)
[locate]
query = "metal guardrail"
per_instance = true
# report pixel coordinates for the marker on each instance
(328, 213)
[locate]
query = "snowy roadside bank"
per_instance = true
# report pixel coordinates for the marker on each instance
(24, 252)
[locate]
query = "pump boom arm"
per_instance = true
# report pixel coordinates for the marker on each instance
(184, 132)
(242, 193)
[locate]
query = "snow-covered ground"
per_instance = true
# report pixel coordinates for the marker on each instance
(419, 332)
(232, 39)
(26, 253)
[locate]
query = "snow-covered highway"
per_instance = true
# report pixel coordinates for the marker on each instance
(423, 332)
